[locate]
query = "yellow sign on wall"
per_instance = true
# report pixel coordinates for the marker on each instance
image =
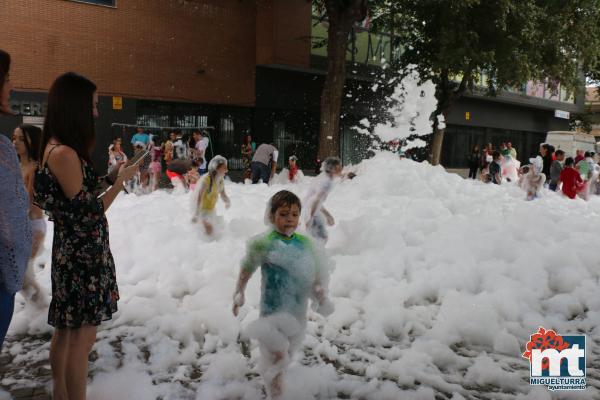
(468, 116)
(117, 103)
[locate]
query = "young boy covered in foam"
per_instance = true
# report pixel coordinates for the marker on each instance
(293, 270)
(316, 216)
(212, 185)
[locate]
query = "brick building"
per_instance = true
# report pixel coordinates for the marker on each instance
(173, 62)
(235, 65)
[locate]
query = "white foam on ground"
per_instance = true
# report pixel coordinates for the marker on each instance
(439, 282)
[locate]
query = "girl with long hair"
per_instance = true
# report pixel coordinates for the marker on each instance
(84, 287)
(26, 139)
(116, 155)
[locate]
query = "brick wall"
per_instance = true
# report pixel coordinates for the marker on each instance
(141, 48)
(283, 32)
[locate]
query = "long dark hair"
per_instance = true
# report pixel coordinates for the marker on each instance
(4, 69)
(32, 136)
(70, 114)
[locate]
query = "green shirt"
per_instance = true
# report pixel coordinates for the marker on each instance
(289, 266)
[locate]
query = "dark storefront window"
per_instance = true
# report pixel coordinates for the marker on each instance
(226, 126)
(459, 140)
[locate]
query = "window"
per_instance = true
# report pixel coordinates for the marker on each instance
(108, 3)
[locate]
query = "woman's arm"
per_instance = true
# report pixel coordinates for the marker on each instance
(66, 168)
(15, 231)
(225, 198)
(125, 174)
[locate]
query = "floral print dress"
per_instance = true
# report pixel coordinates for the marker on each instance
(84, 285)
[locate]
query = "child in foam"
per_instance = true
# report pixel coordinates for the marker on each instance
(293, 270)
(294, 173)
(588, 169)
(316, 216)
(572, 184)
(155, 167)
(212, 185)
(534, 180)
(510, 165)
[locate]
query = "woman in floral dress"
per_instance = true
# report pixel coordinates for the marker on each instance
(84, 287)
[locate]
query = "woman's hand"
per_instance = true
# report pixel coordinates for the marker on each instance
(126, 173)
(113, 172)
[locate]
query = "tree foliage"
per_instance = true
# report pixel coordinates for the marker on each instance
(512, 41)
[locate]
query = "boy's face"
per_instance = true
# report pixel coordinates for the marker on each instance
(336, 171)
(286, 219)
(560, 157)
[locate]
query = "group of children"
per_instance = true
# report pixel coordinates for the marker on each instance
(578, 176)
(293, 266)
(182, 157)
(572, 178)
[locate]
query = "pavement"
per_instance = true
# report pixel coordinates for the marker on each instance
(25, 382)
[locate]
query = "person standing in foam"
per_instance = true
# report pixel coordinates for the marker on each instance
(535, 179)
(293, 270)
(316, 216)
(211, 186)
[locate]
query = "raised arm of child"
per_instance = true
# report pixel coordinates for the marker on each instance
(328, 216)
(225, 198)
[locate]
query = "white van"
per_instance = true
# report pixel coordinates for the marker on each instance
(570, 142)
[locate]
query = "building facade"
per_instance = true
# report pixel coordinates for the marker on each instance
(235, 66)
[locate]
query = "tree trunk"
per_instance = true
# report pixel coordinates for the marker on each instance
(446, 97)
(436, 144)
(333, 91)
(341, 21)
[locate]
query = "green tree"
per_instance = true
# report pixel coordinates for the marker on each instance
(341, 15)
(452, 42)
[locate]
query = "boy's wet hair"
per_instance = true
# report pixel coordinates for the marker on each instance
(496, 155)
(569, 162)
(283, 198)
(330, 163)
(559, 153)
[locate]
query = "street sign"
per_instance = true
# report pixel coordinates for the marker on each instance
(562, 114)
(36, 121)
(117, 103)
